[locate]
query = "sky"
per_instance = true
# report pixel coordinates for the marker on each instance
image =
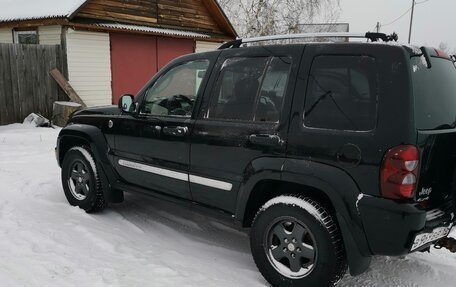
(434, 20)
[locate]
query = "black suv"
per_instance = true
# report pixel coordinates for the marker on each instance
(330, 152)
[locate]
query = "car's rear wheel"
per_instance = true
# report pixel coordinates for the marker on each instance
(80, 180)
(296, 242)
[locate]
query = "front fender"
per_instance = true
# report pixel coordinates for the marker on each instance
(94, 137)
(91, 134)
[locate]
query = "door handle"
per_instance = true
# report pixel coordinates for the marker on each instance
(266, 140)
(175, 131)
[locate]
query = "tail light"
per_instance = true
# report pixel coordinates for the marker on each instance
(399, 173)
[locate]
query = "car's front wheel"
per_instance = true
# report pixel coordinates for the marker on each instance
(296, 242)
(80, 180)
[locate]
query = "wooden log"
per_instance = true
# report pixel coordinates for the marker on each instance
(62, 111)
(66, 87)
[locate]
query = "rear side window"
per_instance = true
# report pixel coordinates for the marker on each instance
(273, 90)
(342, 93)
(250, 89)
(434, 90)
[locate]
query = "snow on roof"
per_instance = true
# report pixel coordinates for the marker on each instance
(16, 10)
(152, 30)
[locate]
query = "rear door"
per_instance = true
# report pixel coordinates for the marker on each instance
(244, 117)
(335, 110)
(434, 91)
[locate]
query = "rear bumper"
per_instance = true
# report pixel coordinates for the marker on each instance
(395, 229)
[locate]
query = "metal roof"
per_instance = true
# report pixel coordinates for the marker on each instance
(154, 30)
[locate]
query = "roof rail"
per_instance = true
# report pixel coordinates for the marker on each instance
(374, 37)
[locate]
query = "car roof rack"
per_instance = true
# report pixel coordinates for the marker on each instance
(374, 37)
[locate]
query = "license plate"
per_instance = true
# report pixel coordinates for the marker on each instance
(424, 238)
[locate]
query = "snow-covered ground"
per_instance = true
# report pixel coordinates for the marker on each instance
(142, 242)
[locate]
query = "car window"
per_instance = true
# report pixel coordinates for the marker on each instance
(342, 93)
(434, 91)
(174, 94)
(273, 90)
(250, 89)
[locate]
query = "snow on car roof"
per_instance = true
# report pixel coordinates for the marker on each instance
(16, 10)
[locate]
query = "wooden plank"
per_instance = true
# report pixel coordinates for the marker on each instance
(51, 85)
(44, 93)
(3, 110)
(15, 100)
(123, 7)
(9, 105)
(63, 83)
(40, 86)
(21, 83)
(107, 15)
(30, 91)
(61, 96)
(132, 6)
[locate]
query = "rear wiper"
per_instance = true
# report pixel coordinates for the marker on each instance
(322, 97)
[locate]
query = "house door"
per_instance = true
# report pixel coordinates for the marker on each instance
(135, 59)
(133, 63)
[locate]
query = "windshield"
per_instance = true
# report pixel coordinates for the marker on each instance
(435, 93)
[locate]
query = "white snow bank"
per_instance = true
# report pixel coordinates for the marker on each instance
(141, 242)
(12, 10)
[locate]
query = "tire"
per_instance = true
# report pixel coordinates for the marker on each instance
(80, 180)
(295, 241)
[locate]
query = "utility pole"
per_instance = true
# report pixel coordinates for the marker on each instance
(378, 27)
(411, 21)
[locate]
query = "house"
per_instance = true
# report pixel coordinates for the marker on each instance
(113, 47)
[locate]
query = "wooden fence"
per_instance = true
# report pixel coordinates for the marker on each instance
(25, 84)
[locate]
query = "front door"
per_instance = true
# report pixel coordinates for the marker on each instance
(152, 145)
(243, 121)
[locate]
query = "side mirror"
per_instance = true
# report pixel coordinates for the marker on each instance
(126, 103)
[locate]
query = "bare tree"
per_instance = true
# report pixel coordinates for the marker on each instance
(265, 17)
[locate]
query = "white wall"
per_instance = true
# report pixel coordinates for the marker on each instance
(206, 46)
(50, 35)
(6, 35)
(89, 66)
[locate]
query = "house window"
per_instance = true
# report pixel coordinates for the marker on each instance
(26, 37)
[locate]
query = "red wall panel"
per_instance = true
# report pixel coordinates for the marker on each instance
(135, 59)
(133, 63)
(170, 49)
